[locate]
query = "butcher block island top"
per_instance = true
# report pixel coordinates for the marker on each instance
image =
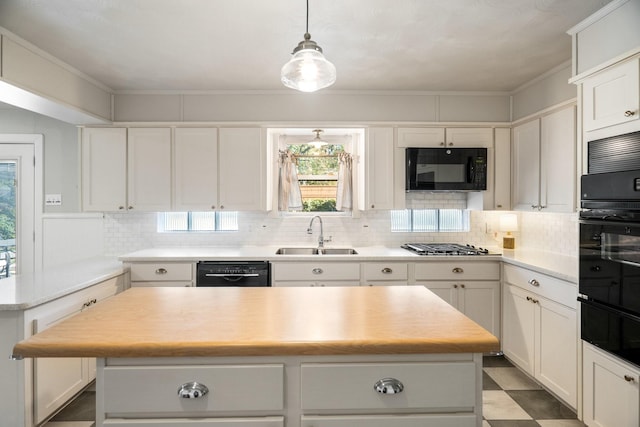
(194, 322)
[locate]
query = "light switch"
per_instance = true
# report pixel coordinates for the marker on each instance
(53, 199)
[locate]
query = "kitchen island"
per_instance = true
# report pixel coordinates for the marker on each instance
(323, 357)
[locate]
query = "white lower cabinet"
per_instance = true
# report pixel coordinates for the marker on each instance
(384, 273)
(473, 287)
(438, 390)
(57, 380)
(315, 273)
(611, 390)
(176, 274)
(540, 329)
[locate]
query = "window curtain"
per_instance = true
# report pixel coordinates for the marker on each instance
(344, 196)
(289, 195)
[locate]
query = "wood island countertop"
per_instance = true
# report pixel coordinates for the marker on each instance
(185, 322)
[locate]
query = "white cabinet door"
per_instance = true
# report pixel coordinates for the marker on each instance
(519, 327)
(502, 171)
(149, 167)
(480, 301)
(526, 162)
(104, 169)
(56, 379)
(557, 349)
(420, 137)
(241, 169)
(469, 137)
(612, 97)
(444, 290)
(195, 163)
(611, 392)
(558, 153)
(379, 182)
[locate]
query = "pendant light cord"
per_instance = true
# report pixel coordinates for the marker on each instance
(307, 29)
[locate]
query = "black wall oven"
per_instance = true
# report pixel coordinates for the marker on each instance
(609, 286)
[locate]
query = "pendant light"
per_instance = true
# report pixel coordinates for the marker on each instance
(308, 70)
(317, 142)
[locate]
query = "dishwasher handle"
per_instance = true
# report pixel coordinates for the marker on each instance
(224, 275)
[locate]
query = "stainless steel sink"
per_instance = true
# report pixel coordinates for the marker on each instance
(297, 251)
(316, 251)
(338, 251)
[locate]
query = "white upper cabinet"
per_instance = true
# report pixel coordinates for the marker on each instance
(612, 97)
(195, 164)
(104, 169)
(441, 137)
(242, 169)
(379, 174)
(149, 169)
(420, 137)
(526, 165)
(544, 163)
(501, 171)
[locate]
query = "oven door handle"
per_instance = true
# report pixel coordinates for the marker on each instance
(231, 275)
(584, 300)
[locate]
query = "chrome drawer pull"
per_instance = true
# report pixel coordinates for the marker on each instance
(534, 282)
(317, 271)
(629, 379)
(387, 270)
(457, 270)
(192, 390)
(388, 386)
(629, 113)
(161, 271)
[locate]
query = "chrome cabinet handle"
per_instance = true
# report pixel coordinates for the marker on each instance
(442, 143)
(317, 271)
(387, 270)
(120, 207)
(457, 270)
(130, 207)
(534, 282)
(455, 286)
(192, 390)
(462, 285)
(161, 271)
(629, 113)
(89, 303)
(533, 300)
(388, 386)
(629, 379)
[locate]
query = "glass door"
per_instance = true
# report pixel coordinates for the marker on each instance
(8, 182)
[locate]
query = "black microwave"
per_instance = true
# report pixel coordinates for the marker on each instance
(446, 169)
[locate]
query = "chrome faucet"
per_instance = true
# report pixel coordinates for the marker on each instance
(321, 238)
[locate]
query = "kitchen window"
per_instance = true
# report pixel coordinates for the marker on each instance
(197, 221)
(316, 175)
(430, 220)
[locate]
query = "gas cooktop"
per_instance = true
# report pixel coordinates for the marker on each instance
(444, 249)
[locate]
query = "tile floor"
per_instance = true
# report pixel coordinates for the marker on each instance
(510, 399)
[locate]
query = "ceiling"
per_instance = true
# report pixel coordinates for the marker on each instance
(237, 45)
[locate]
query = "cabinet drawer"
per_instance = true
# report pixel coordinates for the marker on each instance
(231, 388)
(385, 271)
(457, 270)
(458, 420)
(316, 271)
(161, 272)
(544, 285)
(448, 386)
(199, 422)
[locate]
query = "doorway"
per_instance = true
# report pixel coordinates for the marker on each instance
(20, 202)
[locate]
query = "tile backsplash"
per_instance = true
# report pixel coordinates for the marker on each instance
(553, 232)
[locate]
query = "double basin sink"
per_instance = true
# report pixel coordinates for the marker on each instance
(316, 251)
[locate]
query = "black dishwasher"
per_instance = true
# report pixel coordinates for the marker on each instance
(236, 273)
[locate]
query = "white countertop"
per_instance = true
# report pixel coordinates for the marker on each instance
(29, 290)
(558, 265)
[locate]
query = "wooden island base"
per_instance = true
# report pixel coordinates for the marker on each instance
(277, 357)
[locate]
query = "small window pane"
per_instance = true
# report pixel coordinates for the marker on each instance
(197, 221)
(401, 220)
(425, 220)
(453, 220)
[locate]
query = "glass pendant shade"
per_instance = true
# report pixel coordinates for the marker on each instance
(308, 70)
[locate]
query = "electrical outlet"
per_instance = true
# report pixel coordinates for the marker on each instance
(53, 199)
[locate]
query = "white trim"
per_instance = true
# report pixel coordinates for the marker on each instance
(596, 16)
(544, 112)
(601, 67)
(299, 94)
(38, 191)
(543, 76)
